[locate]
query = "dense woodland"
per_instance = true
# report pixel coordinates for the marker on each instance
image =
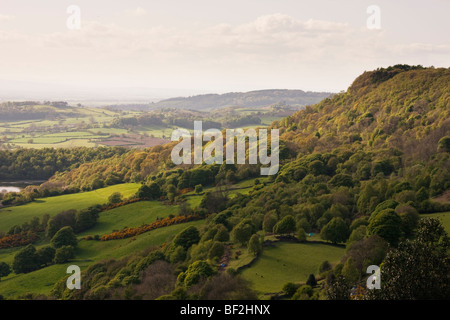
(249, 99)
(41, 164)
(356, 168)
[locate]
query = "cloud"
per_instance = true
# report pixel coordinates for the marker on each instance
(4, 17)
(275, 47)
(138, 12)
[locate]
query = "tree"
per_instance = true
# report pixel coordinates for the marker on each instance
(187, 237)
(222, 234)
(214, 201)
(195, 272)
(64, 237)
(254, 245)
(216, 251)
(324, 266)
(290, 288)
(304, 224)
(286, 225)
(349, 271)
(418, 269)
(63, 254)
(311, 281)
(357, 234)
(269, 221)
(144, 192)
(34, 224)
(303, 293)
(5, 269)
(25, 260)
(301, 235)
(225, 286)
(367, 251)
(335, 231)
(338, 288)
(177, 255)
(444, 144)
(198, 189)
(151, 192)
(154, 191)
(386, 224)
(45, 255)
(341, 179)
(115, 198)
(242, 232)
(62, 219)
(184, 209)
(86, 219)
(410, 218)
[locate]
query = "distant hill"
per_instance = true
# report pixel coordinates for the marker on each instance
(243, 99)
(405, 109)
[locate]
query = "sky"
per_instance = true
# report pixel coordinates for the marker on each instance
(149, 50)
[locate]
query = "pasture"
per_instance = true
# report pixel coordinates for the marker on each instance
(288, 262)
(11, 216)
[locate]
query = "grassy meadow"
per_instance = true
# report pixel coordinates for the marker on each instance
(288, 262)
(11, 216)
(88, 251)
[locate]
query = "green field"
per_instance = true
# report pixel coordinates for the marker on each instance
(443, 216)
(53, 205)
(288, 262)
(87, 253)
(132, 215)
(70, 126)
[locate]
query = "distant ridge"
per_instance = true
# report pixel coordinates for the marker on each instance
(256, 98)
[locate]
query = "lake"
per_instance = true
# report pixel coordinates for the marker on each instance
(17, 186)
(5, 189)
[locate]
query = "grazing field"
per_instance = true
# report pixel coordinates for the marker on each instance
(53, 205)
(443, 216)
(70, 126)
(88, 252)
(131, 215)
(288, 262)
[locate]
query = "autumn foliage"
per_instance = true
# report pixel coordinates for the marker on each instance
(120, 204)
(18, 239)
(131, 232)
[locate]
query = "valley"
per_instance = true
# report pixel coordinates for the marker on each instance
(363, 180)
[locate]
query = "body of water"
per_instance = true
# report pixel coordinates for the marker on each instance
(16, 186)
(5, 189)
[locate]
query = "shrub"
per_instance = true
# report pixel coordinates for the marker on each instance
(324, 266)
(25, 260)
(290, 288)
(311, 280)
(45, 255)
(5, 269)
(335, 231)
(216, 251)
(285, 226)
(64, 237)
(187, 237)
(116, 197)
(303, 293)
(254, 245)
(63, 254)
(195, 272)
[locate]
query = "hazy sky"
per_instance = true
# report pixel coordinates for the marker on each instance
(130, 49)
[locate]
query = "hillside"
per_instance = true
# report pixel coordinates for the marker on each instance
(258, 98)
(361, 180)
(408, 112)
